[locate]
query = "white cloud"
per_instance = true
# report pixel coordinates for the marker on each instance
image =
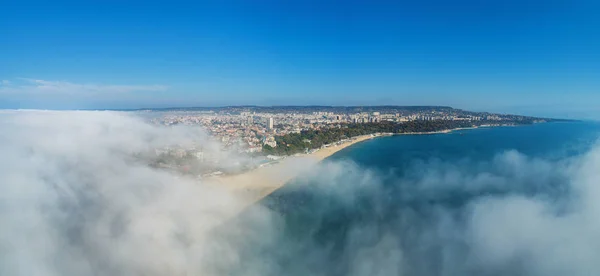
(5, 82)
(44, 87)
(511, 215)
(74, 202)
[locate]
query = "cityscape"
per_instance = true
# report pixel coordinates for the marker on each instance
(248, 129)
(255, 131)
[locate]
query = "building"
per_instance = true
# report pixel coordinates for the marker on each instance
(270, 141)
(270, 124)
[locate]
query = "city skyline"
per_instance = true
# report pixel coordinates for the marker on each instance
(265, 129)
(536, 58)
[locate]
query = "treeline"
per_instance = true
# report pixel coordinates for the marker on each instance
(313, 139)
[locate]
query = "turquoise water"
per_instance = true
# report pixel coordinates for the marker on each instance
(400, 205)
(553, 140)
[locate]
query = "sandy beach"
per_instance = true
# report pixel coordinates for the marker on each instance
(254, 185)
(250, 187)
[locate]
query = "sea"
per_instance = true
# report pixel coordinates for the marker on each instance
(412, 204)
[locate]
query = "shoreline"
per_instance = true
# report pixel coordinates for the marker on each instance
(254, 185)
(250, 187)
(265, 179)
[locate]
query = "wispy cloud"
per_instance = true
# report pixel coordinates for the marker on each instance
(38, 86)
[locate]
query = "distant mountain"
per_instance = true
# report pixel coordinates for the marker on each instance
(383, 109)
(308, 108)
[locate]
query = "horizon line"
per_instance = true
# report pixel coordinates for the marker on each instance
(223, 106)
(284, 106)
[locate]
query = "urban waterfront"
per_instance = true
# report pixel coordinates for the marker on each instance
(264, 134)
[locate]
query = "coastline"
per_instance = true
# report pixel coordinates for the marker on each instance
(248, 188)
(254, 185)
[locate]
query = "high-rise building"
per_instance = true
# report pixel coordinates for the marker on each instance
(270, 124)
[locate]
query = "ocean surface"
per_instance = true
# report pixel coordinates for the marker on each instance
(404, 205)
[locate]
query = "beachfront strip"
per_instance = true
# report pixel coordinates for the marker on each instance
(251, 186)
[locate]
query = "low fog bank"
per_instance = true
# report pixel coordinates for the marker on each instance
(75, 199)
(511, 215)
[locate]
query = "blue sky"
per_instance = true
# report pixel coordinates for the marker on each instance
(529, 56)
